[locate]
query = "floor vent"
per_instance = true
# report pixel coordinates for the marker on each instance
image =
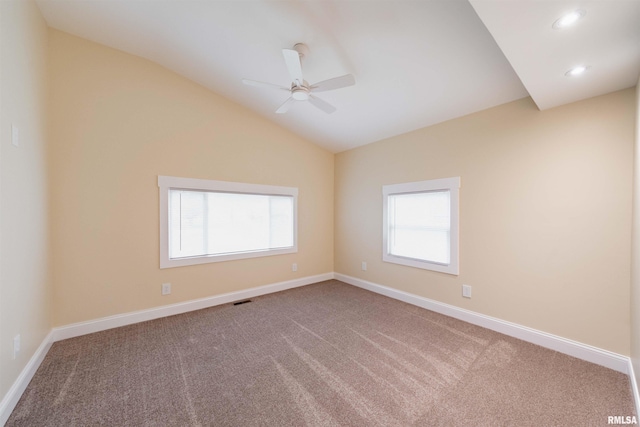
(242, 302)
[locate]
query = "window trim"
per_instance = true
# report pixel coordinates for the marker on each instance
(450, 184)
(165, 183)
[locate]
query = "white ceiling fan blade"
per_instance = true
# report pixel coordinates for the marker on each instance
(323, 105)
(292, 59)
(285, 107)
(263, 84)
(334, 83)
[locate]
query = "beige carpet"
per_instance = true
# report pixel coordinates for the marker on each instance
(327, 354)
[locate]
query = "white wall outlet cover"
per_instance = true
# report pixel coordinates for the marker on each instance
(166, 288)
(294, 267)
(466, 291)
(364, 265)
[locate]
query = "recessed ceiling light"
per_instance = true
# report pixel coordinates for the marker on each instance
(576, 71)
(569, 19)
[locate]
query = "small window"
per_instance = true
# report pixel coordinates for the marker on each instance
(204, 221)
(420, 221)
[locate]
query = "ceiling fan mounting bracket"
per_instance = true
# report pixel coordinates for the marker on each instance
(302, 49)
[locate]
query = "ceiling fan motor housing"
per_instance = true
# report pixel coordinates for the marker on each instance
(300, 92)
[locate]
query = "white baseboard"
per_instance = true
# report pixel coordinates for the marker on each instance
(634, 386)
(582, 351)
(97, 325)
(586, 352)
(12, 397)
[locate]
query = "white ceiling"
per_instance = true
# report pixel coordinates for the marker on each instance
(607, 39)
(416, 62)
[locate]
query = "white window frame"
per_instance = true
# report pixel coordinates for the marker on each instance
(166, 183)
(444, 184)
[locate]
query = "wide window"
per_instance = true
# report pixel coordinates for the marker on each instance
(420, 221)
(209, 221)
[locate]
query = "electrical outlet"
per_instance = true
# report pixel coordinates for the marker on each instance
(16, 345)
(466, 291)
(364, 266)
(166, 288)
(294, 267)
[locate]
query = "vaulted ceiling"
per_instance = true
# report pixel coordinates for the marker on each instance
(415, 62)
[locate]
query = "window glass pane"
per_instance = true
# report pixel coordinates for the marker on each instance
(187, 223)
(281, 224)
(210, 223)
(420, 226)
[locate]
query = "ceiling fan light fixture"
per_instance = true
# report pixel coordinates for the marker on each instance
(300, 94)
(568, 19)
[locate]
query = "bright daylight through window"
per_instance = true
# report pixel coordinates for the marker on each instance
(421, 224)
(205, 221)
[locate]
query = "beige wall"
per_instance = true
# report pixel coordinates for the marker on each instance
(545, 214)
(25, 296)
(635, 248)
(119, 121)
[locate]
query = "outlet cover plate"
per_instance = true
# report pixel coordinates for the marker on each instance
(166, 288)
(466, 291)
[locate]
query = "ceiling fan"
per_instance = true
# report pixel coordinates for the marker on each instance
(300, 89)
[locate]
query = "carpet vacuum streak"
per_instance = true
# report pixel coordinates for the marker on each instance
(327, 354)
